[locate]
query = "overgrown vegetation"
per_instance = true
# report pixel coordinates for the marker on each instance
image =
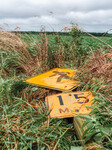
(96, 75)
(25, 123)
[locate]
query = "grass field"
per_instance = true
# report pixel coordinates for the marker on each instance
(24, 123)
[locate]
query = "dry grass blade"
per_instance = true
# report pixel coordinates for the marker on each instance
(106, 32)
(99, 39)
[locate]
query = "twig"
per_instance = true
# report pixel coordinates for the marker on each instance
(99, 39)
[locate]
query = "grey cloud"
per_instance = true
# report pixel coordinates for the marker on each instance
(23, 8)
(56, 13)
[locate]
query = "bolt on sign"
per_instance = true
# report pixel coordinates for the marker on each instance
(65, 105)
(58, 79)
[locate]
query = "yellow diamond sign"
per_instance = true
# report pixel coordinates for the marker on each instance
(58, 79)
(69, 104)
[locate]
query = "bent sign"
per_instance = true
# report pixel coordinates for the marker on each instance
(69, 104)
(58, 79)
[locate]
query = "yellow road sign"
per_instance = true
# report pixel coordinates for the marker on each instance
(69, 104)
(58, 79)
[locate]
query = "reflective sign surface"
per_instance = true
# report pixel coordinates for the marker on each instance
(69, 104)
(58, 79)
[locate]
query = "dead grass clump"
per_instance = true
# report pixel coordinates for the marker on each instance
(10, 41)
(99, 66)
(15, 55)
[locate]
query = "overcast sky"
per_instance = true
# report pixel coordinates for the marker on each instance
(53, 15)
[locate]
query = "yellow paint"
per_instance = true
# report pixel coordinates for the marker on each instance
(69, 104)
(58, 79)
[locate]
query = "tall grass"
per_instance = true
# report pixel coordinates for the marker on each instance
(98, 70)
(14, 55)
(96, 75)
(24, 120)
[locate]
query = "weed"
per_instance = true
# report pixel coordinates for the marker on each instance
(99, 122)
(96, 75)
(24, 120)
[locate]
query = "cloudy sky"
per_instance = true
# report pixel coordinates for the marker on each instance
(53, 15)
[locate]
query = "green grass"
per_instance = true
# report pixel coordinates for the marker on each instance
(24, 122)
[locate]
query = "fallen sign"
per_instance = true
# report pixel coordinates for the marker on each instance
(65, 105)
(58, 79)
